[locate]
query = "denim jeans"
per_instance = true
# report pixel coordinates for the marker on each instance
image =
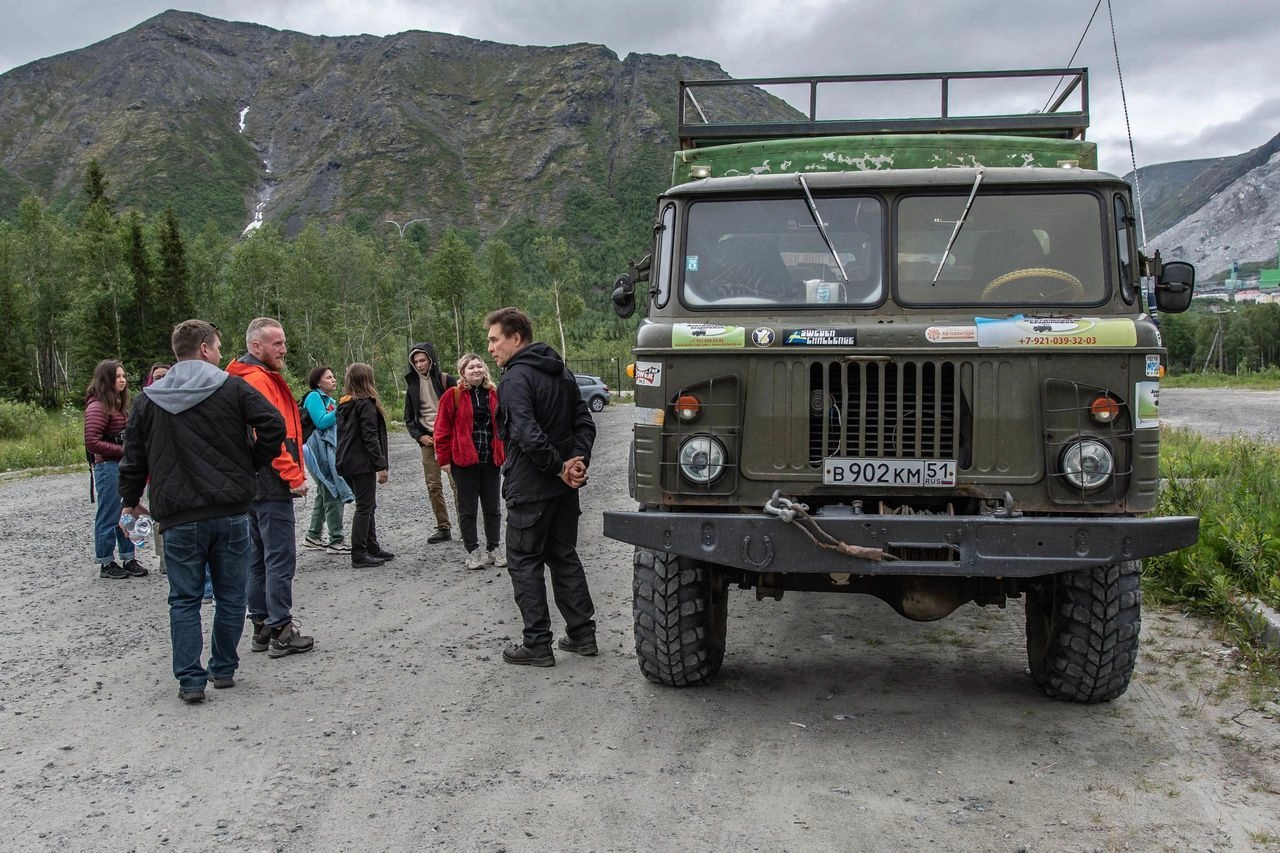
(275, 554)
(220, 546)
(327, 511)
(108, 538)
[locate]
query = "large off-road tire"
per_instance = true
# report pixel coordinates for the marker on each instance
(680, 608)
(1082, 632)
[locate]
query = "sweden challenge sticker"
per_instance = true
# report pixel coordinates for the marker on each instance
(820, 338)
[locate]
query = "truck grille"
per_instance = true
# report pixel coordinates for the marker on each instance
(911, 409)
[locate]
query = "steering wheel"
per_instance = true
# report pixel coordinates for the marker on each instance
(1075, 287)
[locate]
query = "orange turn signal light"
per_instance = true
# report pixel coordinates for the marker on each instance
(1104, 409)
(688, 407)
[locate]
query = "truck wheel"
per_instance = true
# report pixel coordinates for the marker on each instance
(680, 609)
(1082, 632)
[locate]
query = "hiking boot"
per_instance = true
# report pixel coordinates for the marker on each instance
(261, 637)
(288, 640)
(475, 560)
(313, 543)
(222, 682)
(339, 547)
(134, 568)
(366, 560)
(191, 697)
(113, 570)
(442, 534)
(497, 557)
(384, 556)
(522, 655)
(585, 646)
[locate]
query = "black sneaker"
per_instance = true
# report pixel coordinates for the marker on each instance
(585, 646)
(261, 637)
(522, 655)
(384, 556)
(134, 568)
(191, 697)
(366, 561)
(113, 571)
(288, 640)
(442, 534)
(222, 682)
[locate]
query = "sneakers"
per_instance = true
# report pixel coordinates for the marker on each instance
(497, 557)
(222, 682)
(288, 640)
(367, 561)
(113, 571)
(261, 637)
(476, 560)
(442, 534)
(191, 697)
(522, 655)
(339, 547)
(313, 543)
(134, 568)
(586, 646)
(384, 556)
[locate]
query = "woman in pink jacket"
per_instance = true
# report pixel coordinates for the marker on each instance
(468, 447)
(106, 402)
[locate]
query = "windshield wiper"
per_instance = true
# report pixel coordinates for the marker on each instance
(817, 220)
(955, 232)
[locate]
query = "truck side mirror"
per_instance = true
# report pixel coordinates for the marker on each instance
(624, 296)
(1175, 286)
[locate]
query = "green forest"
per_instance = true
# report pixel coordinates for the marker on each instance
(95, 282)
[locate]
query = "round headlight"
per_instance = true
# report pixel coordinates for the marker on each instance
(1087, 463)
(702, 458)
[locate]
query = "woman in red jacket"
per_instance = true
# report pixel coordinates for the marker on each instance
(468, 447)
(106, 400)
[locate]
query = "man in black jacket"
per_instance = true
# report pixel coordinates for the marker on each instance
(200, 435)
(425, 384)
(548, 433)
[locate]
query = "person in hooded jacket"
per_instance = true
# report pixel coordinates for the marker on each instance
(548, 433)
(200, 436)
(469, 450)
(320, 454)
(424, 385)
(362, 459)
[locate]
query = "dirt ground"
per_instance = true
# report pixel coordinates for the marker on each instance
(835, 724)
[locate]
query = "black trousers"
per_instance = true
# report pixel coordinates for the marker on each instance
(364, 535)
(540, 534)
(478, 483)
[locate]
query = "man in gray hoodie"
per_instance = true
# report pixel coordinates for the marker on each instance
(200, 436)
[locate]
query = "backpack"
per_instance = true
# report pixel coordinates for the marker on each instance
(308, 425)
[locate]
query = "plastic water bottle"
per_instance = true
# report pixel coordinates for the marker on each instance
(138, 529)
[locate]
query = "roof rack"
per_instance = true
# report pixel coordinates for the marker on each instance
(776, 119)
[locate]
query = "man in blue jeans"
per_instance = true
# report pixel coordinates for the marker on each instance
(189, 433)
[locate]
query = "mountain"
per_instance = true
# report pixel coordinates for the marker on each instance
(215, 118)
(1213, 212)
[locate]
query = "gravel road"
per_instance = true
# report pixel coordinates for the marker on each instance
(835, 724)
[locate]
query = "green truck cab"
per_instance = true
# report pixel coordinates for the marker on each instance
(905, 357)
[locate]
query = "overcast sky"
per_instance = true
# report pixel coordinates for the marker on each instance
(1200, 76)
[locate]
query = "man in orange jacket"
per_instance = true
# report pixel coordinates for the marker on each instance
(271, 525)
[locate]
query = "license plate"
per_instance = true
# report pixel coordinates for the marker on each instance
(917, 473)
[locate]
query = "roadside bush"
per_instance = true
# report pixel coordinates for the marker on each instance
(51, 439)
(19, 420)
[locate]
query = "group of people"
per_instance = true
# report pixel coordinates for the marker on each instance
(221, 454)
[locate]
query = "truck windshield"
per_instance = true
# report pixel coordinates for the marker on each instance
(749, 252)
(1025, 249)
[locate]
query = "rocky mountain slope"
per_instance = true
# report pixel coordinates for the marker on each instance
(216, 118)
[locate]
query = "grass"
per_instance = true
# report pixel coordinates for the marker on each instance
(46, 439)
(1263, 380)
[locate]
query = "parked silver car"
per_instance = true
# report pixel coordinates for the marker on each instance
(594, 391)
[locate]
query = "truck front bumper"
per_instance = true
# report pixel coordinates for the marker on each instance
(963, 546)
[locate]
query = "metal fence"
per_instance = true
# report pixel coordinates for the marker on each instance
(611, 370)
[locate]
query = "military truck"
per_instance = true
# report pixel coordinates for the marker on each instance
(906, 357)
